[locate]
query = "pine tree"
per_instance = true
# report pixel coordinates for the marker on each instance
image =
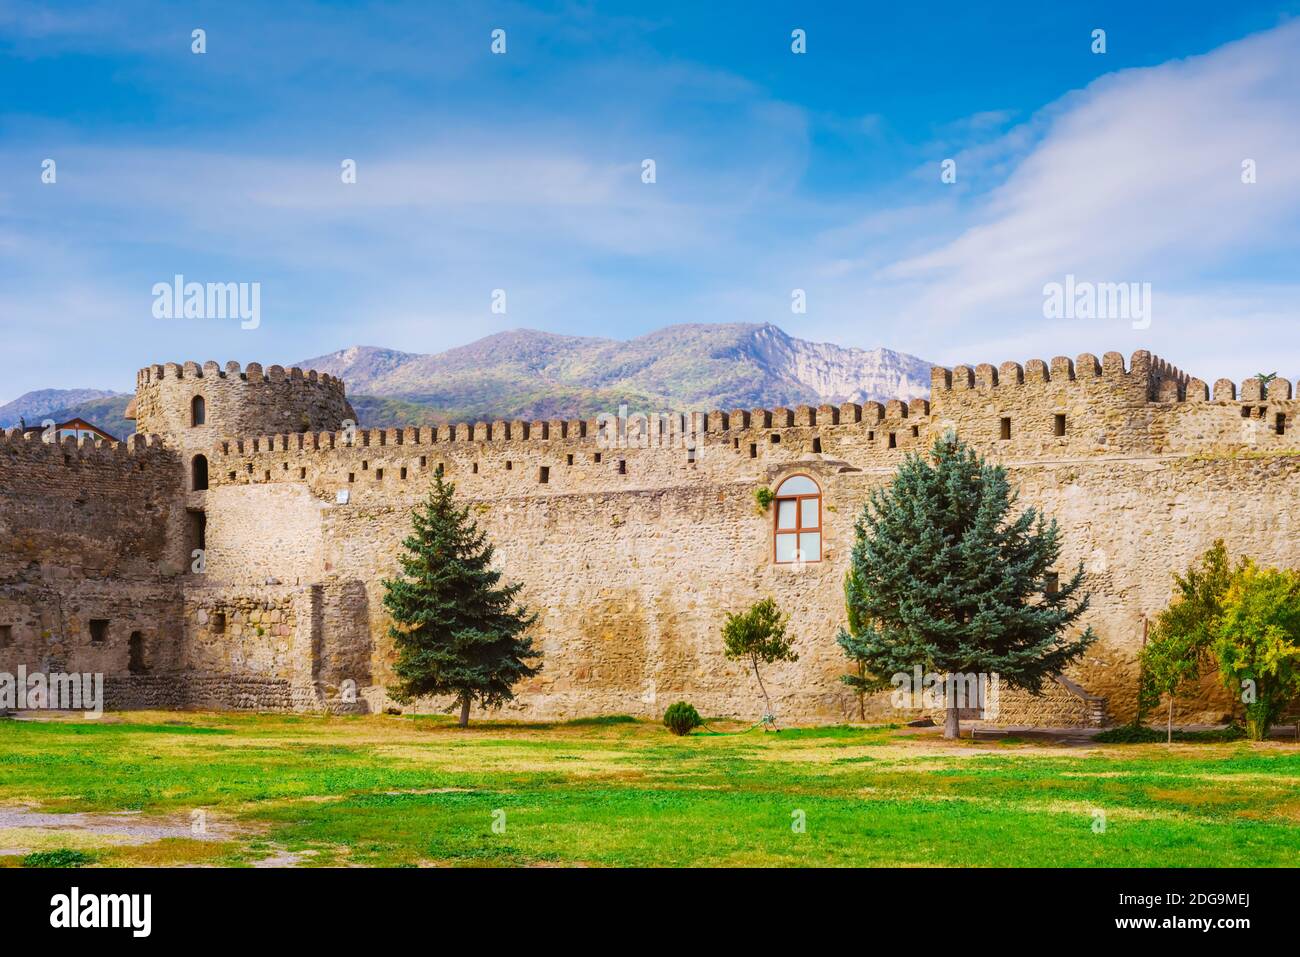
(457, 630)
(945, 576)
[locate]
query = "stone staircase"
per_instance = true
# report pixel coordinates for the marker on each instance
(1094, 705)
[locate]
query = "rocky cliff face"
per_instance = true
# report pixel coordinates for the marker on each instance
(529, 374)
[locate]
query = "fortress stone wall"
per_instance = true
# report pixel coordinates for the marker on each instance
(633, 539)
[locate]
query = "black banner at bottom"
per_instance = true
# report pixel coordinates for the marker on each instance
(359, 907)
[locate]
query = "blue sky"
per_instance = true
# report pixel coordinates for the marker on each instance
(522, 172)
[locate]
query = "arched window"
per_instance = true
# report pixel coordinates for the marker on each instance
(199, 473)
(198, 411)
(798, 511)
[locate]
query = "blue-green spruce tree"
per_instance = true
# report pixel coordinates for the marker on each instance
(946, 575)
(458, 631)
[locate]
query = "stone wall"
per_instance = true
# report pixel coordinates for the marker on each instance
(633, 539)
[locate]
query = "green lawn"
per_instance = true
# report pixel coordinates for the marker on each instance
(386, 790)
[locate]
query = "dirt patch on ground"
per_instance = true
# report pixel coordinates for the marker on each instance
(24, 828)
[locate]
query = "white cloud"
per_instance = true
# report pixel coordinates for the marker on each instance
(1136, 178)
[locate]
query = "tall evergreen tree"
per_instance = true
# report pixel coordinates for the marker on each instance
(457, 630)
(944, 575)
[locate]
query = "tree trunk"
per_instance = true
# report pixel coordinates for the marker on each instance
(952, 722)
(464, 711)
(1169, 739)
(767, 702)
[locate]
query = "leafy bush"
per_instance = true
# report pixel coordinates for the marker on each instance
(60, 858)
(763, 496)
(682, 718)
(1141, 734)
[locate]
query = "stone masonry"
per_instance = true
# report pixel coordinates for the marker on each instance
(632, 539)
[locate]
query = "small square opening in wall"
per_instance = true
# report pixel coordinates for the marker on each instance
(690, 456)
(543, 474)
(568, 459)
(775, 438)
(1058, 424)
(379, 474)
(266, 476)
(365, 465)
(286, 466)
(302, 472)
(622, 466)
(352, 476)
(6, 635)
(916, 431)
(1245, 412)
(509, 465)
(474, 469)
(1004, 428)
(753, 450)
(218, 622)
(424, 460)
(1052, 583)
(871, 436)
(893, 440)
(735, 443)
(231, 476)
(817, 445)
(402, 473)
(596, 458)
(98, 630)
(1279, 423)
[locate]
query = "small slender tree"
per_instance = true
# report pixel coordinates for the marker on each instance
(1180, 648)
(758, 636)
(1257, 642)
(457, 629)
(945, 576)
(862, 680)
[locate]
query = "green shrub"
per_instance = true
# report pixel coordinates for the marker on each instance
(682, 718)
(763, 496)
(1141, 734)
(60, 858)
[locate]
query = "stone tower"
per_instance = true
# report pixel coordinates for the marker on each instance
(193, 406)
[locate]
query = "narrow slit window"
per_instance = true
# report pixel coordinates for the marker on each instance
(1004, 426)
(199, 473)
(1058, 424)
(98, 631)
(544, 475)
(817, 445)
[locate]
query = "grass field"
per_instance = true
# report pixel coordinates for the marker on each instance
(220, 789)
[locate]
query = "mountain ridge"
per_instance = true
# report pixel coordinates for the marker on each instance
(532, 374)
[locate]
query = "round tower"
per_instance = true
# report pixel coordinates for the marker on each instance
(193, 406)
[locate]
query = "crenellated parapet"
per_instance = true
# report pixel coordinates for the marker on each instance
(191, 405)
(253, 373)
(72, 451)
